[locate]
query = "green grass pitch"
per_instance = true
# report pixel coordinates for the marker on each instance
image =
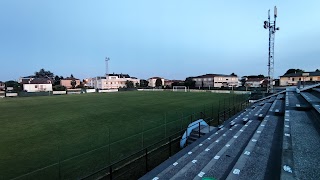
(69, 135)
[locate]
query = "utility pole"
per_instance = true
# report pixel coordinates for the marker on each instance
(271, 25)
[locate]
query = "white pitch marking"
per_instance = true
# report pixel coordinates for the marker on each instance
(216, 157)
(194, 161)
(247, 153)
(224, 134)
(250, 121)
(207, 149)
(216, 133)
(189, 152)
(217, 141)
(258, 132)
(174, 164)
(254, 140)
(286, 126)
(155, 178)
(246, 125)
(209, 138)
(230, 129)
(201, 174)
(286, 119)
(241, 130)
(262, 125)
(236, 171)
(286, 134)
(227, 145)
(200, 144)
(235, 137)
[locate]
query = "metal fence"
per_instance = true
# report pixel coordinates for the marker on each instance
(109, 154)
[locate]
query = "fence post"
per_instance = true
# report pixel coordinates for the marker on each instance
(165, 125)
(199, 130)
(110, 172)
(224, 115)
(146, 159)
(169, 146)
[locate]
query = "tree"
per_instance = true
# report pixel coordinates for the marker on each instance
(294, 71)
(144, 83)
(137, 85)
(129, 84)
(158, 82)
(71, 76)
(233, 74)
(15, 85)
(317, 70)
(73, 83)
(56, 80)
(243, 80)
(260, 76)
(189, 82)
(43, 74)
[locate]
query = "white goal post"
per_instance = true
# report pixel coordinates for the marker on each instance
(179, 88)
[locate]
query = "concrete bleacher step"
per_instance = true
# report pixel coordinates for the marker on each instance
(261, 113)
(168, 169)
(277, 108)
(198, 159)
(301, 144)
(316, 89)
(195, 134)
(310, 97)
(297, 102)
(253, 162)
(220, 165)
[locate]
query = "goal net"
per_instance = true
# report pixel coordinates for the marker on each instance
(179, 88)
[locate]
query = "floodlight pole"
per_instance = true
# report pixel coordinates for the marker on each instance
(107, 69)
(271, 25)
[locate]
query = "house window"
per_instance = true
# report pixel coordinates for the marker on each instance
(288, 78)
(310, 78)
(35, 86)
(227, 79)
(299, 79)
(292, 79)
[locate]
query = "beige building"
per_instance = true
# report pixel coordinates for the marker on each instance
(66, 82)
(216, 80)
(152, 81)
(293, 78)
(112, 81)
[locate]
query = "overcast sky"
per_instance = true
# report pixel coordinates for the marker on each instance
(169, 38)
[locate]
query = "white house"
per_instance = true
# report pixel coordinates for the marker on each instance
(216, 80)
(152, 81)
(111, 81)
(254, 82)
(37, 84)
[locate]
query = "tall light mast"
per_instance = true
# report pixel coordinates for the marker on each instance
(107, 70)
(271, 25)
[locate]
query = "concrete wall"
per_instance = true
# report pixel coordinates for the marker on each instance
(108, 90)
(90, 90)
(59, 92)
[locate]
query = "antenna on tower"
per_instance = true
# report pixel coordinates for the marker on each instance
(107, 66)
(271, 25)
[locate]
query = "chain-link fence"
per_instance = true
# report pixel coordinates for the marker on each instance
(109, 153)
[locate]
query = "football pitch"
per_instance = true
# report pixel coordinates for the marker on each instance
(70, 136)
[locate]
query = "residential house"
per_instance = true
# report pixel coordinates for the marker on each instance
(111, 81)
(2, 86)
(66, 82)
(152, 81)
(37, 84)
(254, 82)
(216, 80)
(292, 79)
(171, 83)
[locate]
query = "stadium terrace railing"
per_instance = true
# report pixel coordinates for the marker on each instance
(131, 157)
